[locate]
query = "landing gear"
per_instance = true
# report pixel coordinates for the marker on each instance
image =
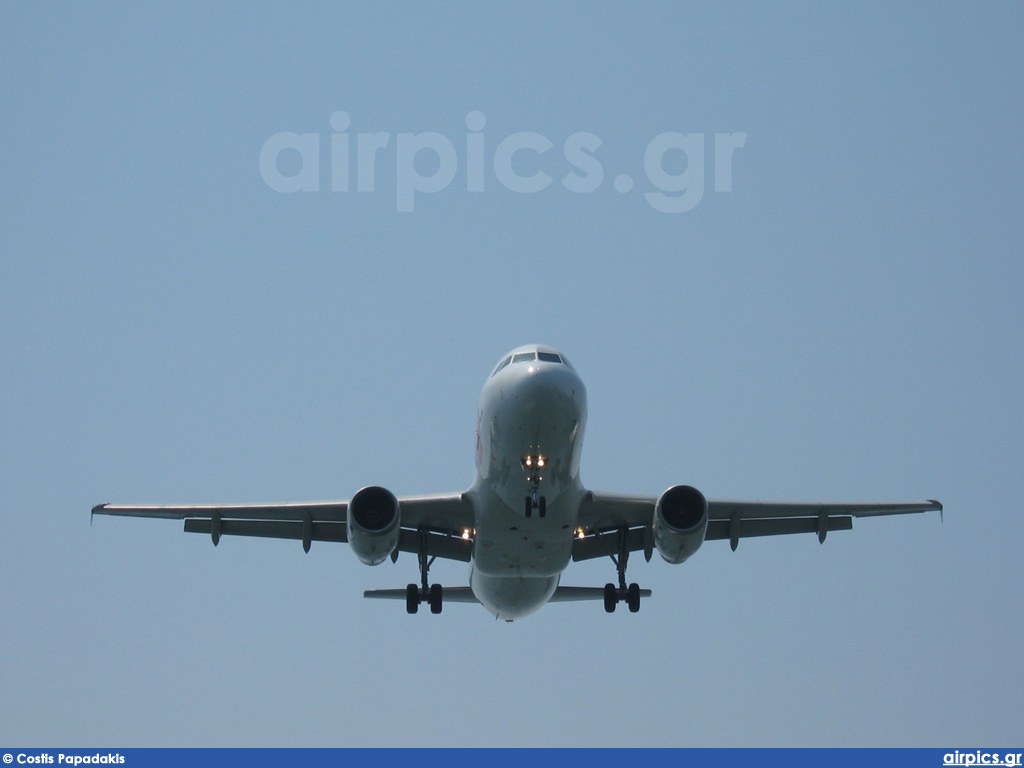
(630, 594)
(412, 598)
(435, 598)
(633, 597)
(534, 501)
(434, 594)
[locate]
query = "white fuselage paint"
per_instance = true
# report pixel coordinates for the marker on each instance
(532, 408)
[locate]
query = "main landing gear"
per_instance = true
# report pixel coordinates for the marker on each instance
(415, 595)
(630, 594)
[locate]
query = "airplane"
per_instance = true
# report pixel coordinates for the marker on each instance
(526, 515)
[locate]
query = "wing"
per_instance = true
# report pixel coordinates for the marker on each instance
(604, 514)
(436, 521)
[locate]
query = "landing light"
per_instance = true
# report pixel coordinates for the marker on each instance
(465, 534)
(580, 533)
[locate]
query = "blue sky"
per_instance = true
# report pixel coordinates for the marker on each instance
(844, 324)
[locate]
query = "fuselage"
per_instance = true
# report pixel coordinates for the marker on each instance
(527, 491)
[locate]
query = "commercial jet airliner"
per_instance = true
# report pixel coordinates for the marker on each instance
(527, 515)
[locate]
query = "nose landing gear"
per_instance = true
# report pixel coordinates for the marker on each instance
(533, 464)
(535, 502)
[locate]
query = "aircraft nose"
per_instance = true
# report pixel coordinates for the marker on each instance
(545, 382)
(551, 394)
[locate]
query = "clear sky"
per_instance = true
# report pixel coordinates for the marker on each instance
(837, 316)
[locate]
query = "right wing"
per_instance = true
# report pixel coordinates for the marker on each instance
(734, 520)
(435, 521)
(604, 515)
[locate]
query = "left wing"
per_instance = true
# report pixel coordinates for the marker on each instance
(437, 521)
(603, 514)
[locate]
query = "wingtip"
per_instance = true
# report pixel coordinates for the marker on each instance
(938, 506)
(92, 513)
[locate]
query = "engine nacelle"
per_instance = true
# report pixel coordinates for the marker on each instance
(680, 522)
(372, 524)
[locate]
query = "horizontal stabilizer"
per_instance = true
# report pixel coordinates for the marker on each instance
(450, 594)
(570, 594)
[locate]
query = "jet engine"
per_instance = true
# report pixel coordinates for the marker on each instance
(680, 522)
(372, 524)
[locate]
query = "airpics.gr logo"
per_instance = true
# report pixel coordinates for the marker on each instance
(517, 161)
(980, 757)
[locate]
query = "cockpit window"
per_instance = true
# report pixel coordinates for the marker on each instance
(523, 357)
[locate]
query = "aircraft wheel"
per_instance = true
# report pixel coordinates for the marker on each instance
(412, 598)
(435, 598)
(633, 598)
(543, 505)
(529, 506)
(610, 598)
